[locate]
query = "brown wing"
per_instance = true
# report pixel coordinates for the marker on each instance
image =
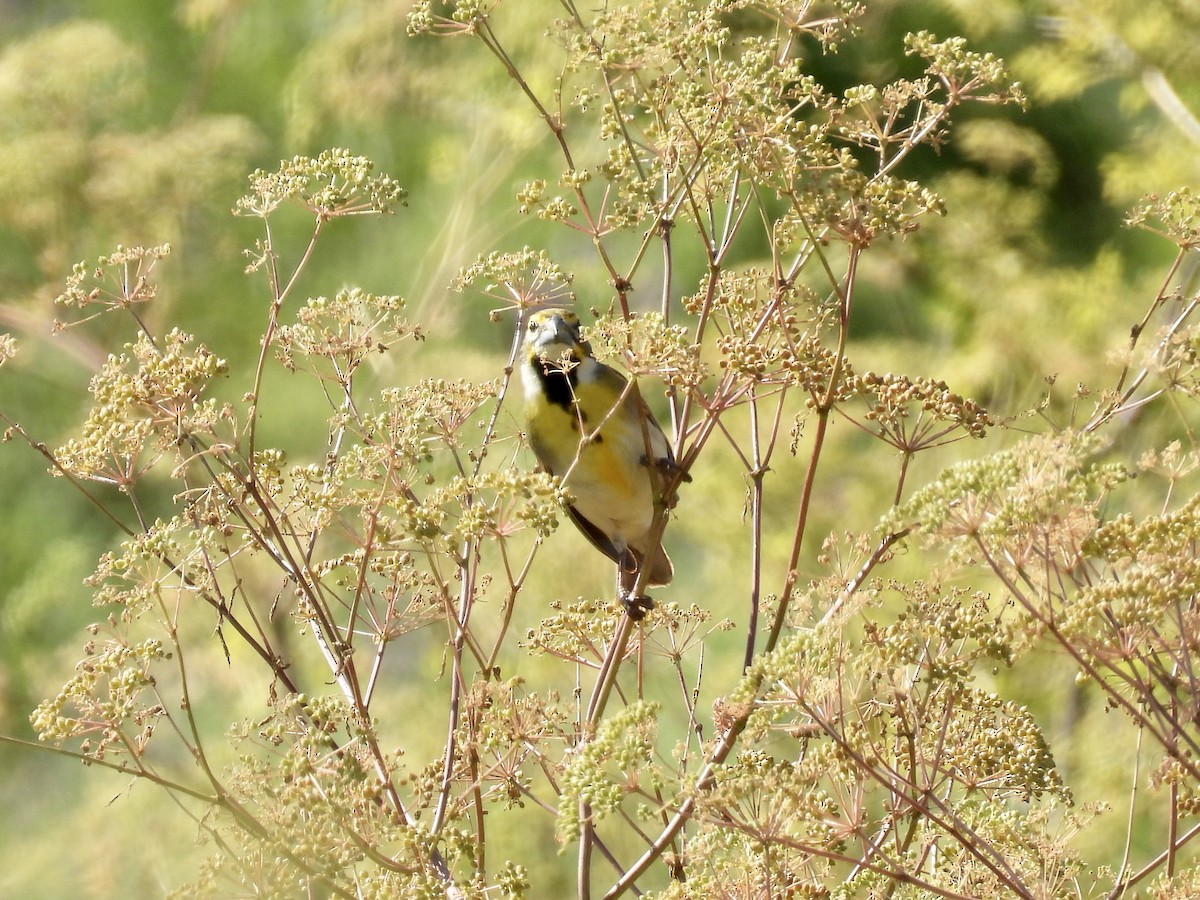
(630, 561)
(663, 458)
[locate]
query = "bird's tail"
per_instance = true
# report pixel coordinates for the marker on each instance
(661, 570)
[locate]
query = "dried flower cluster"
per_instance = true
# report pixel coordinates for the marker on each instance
(415, 737)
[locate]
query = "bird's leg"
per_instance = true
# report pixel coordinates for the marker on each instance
(636, 606)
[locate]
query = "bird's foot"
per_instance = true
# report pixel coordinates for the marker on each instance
(636, 607)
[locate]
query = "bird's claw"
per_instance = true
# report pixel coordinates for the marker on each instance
(636, 607)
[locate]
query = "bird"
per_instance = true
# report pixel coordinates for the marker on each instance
(589, 427)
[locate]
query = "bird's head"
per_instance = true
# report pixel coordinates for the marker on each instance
(551, 334)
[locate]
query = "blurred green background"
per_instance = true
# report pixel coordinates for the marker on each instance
(137, 122)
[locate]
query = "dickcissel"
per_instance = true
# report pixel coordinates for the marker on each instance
(589, 426)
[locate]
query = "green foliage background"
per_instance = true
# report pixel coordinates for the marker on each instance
(126, 122)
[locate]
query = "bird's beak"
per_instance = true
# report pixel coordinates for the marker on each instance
(555, 333)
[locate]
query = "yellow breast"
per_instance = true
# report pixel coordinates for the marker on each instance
(606, 475)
